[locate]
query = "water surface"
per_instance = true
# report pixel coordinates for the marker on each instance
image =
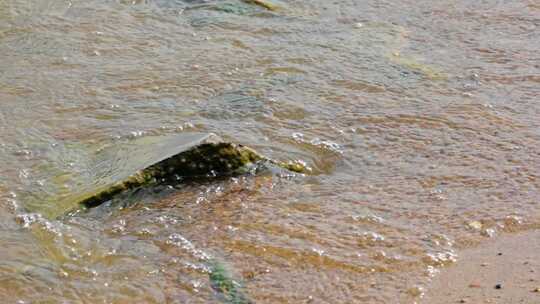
(420, 120)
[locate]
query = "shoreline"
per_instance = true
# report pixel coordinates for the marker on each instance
(505, 270)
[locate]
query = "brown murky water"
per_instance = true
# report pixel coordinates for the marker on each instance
(420, 120)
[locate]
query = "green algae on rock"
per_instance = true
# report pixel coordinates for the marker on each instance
(227, 288)
(207, 158)
(426, 70)
(180, 157)
(242, 7)
(263, 3)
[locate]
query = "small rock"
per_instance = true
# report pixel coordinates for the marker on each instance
(475, 225)
(498, 286)
(484, 264)
(416, 291)
(463, 301)
(537, 289)
(500, 253)
(474, 285)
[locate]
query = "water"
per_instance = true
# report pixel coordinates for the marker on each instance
(419, 119)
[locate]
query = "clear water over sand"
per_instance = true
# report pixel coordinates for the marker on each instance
(420, 120)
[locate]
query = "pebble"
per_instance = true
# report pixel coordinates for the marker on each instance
(498, 286)
(416, 291)
(537, 290)
(475, 225)
(462, 301)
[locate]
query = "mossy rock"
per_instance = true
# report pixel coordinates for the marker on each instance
(242, 7)
(167, 160)
(264, 3)
(228, 289)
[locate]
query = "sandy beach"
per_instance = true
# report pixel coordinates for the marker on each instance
(504, 270)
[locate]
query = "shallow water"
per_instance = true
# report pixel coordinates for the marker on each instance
(419, 119)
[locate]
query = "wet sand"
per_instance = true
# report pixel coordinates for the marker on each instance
(505, 270)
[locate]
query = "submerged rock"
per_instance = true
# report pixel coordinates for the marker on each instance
(241, 7)
(263, 3)
(223, 283)
(172, 160)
